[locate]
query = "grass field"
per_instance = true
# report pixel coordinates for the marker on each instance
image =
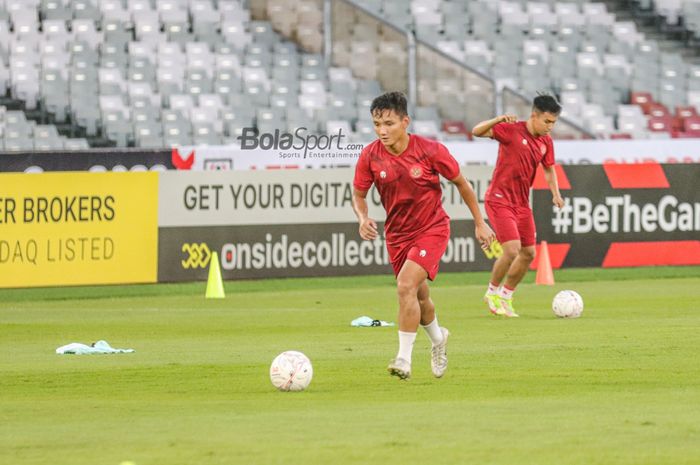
(621, 385)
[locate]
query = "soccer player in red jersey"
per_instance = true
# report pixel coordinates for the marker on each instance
(522, 146)
(405, 169)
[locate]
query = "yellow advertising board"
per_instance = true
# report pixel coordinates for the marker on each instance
(78, 228)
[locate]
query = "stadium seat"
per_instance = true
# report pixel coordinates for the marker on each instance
(152, 51)
(660, 124)
(691, 125)
(657, 109)
(620, 135)
(685, 111)
(643, 99)
(456, 127)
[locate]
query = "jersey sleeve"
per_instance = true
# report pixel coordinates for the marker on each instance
(444, 163)
(363, 175)
(548, 159)
(501, 133)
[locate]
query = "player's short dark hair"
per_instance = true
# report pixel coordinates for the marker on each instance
(546, 103)
(391, 101)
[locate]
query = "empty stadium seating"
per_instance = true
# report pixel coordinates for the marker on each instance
(169, 72)
(576, 49)
(155, 73)
(17, 134)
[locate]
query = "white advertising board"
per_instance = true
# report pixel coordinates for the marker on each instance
(281, 197)
(482, 152)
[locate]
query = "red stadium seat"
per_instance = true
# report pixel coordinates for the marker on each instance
(657, 110)
(643, 99)
(456, 127)
(660, 123)
(684, 135)
(691, 125)
(686, 111)
(620, 135)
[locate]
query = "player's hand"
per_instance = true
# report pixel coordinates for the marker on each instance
(558, 201)
(485, 235)
(368, 229)
(508, 118)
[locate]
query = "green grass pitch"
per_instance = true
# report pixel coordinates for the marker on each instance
(621, 385)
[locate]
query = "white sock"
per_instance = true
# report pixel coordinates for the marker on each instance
(406, 341)
(493, 289)
(506, 293)
(434, 332)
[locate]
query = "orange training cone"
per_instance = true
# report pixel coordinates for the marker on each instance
(544, 275)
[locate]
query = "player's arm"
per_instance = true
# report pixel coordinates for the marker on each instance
(368, 227)
(550, 175)
(483, 231)
(485, 128)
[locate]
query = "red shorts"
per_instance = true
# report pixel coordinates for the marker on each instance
(512, 223)
(426, 250)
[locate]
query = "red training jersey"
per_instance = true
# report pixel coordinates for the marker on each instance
(519, 153)
(408, 184)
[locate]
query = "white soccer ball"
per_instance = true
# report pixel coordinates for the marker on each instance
(291, 371)
(567, 304)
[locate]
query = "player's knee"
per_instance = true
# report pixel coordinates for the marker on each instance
(528, 253)
(511, 251)
(405, 287)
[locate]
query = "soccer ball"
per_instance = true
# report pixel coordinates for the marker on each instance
(291, 371)
(567, 304)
